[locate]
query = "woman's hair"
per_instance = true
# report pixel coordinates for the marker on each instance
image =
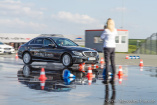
(110, 25)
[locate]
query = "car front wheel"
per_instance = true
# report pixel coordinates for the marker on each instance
(27, 59)
(67, 60)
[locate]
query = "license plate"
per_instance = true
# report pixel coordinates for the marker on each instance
(91, 58)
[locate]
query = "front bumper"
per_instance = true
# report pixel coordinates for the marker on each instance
(83, 59)
(2, 51)
(20, 54)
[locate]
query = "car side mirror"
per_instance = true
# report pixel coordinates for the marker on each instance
(52, 45)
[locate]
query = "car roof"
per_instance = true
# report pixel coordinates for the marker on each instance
(48, 37)
(52, 35)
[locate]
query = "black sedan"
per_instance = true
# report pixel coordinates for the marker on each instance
(56, 49)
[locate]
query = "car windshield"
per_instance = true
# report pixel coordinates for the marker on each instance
(64, 42)
(1, 43)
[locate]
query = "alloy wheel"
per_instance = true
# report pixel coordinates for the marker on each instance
(66, 60)
(27, 58)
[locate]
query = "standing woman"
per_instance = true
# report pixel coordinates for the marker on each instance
(109, 45)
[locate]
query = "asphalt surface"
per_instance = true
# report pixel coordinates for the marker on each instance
(20, 84)
(148, 60)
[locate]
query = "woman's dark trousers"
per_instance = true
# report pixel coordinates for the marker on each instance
(109, 54)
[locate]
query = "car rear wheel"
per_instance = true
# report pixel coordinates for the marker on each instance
(27, 59)
(67, 60)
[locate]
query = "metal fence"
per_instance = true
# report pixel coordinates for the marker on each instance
(149, 46)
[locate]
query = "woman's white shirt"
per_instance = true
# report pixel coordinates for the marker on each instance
(109, 38)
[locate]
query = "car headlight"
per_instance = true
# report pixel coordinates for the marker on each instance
(77, 53)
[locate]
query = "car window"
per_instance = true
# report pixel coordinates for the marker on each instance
(60, 42)
(47, 42)
(38, 41)
(32, 42)
(64, 42)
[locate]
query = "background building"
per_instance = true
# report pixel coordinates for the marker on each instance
(93, 40)
(16, 40)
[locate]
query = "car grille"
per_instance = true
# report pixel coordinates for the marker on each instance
(7, 48)
(90, 54)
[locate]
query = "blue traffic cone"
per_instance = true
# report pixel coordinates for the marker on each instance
(104, 73)
(134, 57)
(130, 57)
(138, 57)
(67, 74)
(68, 80)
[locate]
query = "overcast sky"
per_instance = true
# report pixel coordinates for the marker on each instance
(73, 17)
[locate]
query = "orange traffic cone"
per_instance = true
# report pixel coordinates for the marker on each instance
(94, 66)
(120, 79)
(102, 63)
(42, 78)
(89, 80)
(42, 75)
(16, 56)
(127, 57)
(141, 63)
(141, 68)
(89, 76)
(82, 67)
(42, 84)
(120, 73)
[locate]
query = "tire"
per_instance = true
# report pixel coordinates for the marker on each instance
(67, 60)
(26, 71)
(27, 59)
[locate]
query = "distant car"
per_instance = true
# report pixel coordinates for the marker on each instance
(56, 49)
(6, 49)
